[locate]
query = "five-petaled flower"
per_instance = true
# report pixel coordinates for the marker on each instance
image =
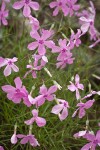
(26, 4)
(9, 63)
(75, 87)
(41, 41)
(82, 107)
(39, 120)
(93, 139)
(45, 94)
(60, 5)
(61, 109)
(17, 93)
(28, 138)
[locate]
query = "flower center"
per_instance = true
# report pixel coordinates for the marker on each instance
(27, 1)
(60, 4)
(18, 90)
(10, 62)
(63, 50)
(65, 104)
(41, 42)
(45, 95)
(91, 23)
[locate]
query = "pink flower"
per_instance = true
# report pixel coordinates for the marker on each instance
(17, 93)
(62, 62)
(34, 23)
(9, 63)
(26, 4)
(87, 23)
(28, 138)
(7, 0)
(3, 15)
(63, 50)
(94, 141)
(75, 87)
(72, 6)
(41, 41)
(82, 107)
(61, 109)
(76, 38)
(39, 121)
(35, 66)
(45, 94)
(1, 148)
(60, 5)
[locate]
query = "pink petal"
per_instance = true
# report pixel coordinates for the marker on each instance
(89, 103)
(77, 78)
(4, 21)
(85, 27)
(8, 88)
(20, 136)
(35, 35)
(1, 148)
(3, 6)
(32, 46)
(40, 100)
(76, 7)
(35, 112)
(34, 5)
(18, 5)
(43, 89)
(72, 87)
(64, 114)
(15, 68)
(24, 140)
(87, 146)
(41, 49)
(55, 12)
(40, 121)
(29, 122)
(49, 44)
(50, 97)
(52, 89)
(32, 100)
(7, 70)
(57, 109)
(18, 82)
(98, 135)
(81, 112)
(53, 4)
(26, 11)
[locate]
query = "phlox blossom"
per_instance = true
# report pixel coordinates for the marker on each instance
(82, 106)
(27, 4)
(28, 138)
(94, 140)
(35, 66)
(45, 94)
(60, 5)
(9, 63)
(17, 93)
(39, 120)
(75, 87)
(41, 41)
(61, 109)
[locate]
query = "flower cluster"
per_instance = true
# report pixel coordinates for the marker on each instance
(42, 43)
